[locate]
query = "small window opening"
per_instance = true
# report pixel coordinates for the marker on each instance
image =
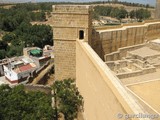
(81, 34)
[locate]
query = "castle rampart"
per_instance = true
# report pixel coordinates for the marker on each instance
(110, 40)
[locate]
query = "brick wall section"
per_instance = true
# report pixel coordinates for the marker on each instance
(67, 21)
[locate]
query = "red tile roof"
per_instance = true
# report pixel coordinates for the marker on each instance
(25, 67)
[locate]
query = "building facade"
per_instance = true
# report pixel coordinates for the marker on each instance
(18, 69)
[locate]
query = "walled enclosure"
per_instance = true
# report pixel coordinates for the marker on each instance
(70, 23)
(109, 40)
(104, 95)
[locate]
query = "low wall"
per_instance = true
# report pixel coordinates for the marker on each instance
(41, 88)
(122, 52)
(103, 93)
(138, 68)
(136, 73)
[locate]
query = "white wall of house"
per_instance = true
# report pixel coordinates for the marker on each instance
(10, 74)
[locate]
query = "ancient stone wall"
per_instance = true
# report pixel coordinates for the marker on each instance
(70, 23)
(112, 39)
(121, 52)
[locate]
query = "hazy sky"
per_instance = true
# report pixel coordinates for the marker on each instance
(152, 2)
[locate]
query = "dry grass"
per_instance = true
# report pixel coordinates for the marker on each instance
(7, 6)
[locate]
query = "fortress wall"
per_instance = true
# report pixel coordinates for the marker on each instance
(104, 95)
(113, 39)
(69, 23)
(96, 43)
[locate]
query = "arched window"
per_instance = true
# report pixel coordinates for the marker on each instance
(81, 34)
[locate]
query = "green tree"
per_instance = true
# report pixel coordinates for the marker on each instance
(67, 98)
(132, 14)
(140, 14)
(2, 54)
(122, 13)
(16, 50)
(20, 33)
(3, 45)
(9, 37)
(17, 104)
(103, 10)
(9, 24)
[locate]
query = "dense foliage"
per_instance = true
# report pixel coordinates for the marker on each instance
(11, 18)
(19, 32)
(140, 14)
(67, 98)
(16, 104)
(120, 13)
(115, 12)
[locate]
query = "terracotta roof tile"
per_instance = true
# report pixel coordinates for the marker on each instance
(25, 67)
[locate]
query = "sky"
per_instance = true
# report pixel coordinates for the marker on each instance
(151, 2)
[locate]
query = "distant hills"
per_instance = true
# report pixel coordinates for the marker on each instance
(151, 2)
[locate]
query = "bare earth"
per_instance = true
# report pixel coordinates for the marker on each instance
(149, 92)
(142, 78)
(145, 51)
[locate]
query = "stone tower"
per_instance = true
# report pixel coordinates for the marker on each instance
(70, 23)
(158, 9)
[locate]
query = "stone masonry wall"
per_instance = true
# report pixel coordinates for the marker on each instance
(111, 40)
(65, 59)
(68, 21)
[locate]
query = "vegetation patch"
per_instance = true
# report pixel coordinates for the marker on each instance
(16, 104)
(19, 33)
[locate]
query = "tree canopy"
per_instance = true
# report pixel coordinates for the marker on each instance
(115, 12)
(120, 13)
(17, 104)
(19, 33)
(67, 98)
(140, 14)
